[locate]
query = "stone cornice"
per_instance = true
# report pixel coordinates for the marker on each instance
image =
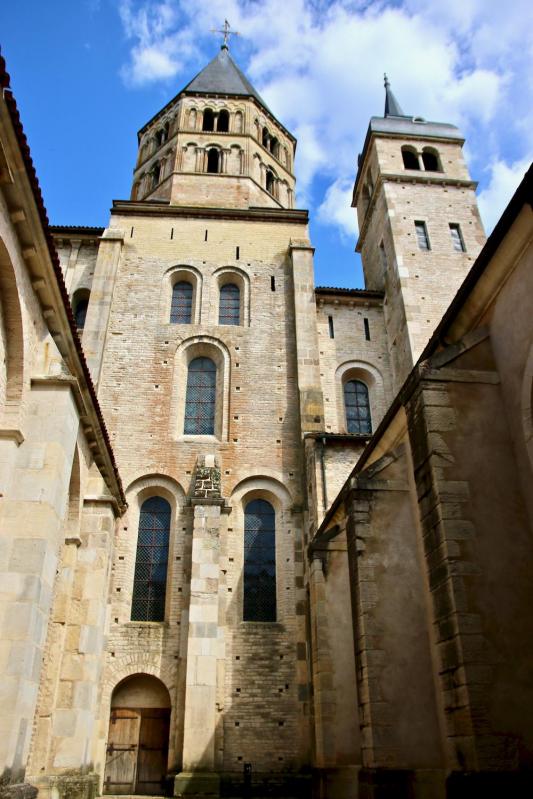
(154, 208)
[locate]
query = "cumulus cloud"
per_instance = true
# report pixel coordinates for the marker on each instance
(504, 179)
(319, 66)
(336, 209)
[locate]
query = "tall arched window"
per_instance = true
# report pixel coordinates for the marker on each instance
(223, 121)
(357, 407)
(200, 398)
(80, 314)
(213, 160)
(229, 310)
(150, 581)
(80, 303)
(208, 121)
(259, 562)
(270, 181)
(181, 308)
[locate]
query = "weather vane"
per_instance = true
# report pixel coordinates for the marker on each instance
(226, 33)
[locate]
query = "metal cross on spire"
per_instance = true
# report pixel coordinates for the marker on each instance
(226, 33)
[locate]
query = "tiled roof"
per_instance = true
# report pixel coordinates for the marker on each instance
(43, 216)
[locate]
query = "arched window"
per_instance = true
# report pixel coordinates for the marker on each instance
(259, 601)
(229, 309)
(223, 121)
(273, 146)
(80, 303)
(357, 407)
(156, 175)
(431, 160)
(181, 307)
(410, 158)
(200, 397)
(213, 160)
(192, 119)
(270, 182)
(265, 137)
(238, 122)
(208, 122)
(150, 581)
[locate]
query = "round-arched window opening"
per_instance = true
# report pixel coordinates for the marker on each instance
(410, 158)
(265, 137)
(270, 182)
(208, 122)
(357, 406)
(213, 160)
(223, 121)
(431, 160)
(80, 304)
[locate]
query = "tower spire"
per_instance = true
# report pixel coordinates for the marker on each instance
(392, 106)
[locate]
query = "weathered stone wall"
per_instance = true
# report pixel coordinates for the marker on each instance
(142, 382)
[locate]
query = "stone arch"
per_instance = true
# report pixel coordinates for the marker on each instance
(431, 159)
(271, 489)
(12, 347)
(142, 488)
(366, 373)
(192, 118)
(174, 275)
(80, 305)
(238, 122)
(410, 157)
(232, 274)
(187, 351)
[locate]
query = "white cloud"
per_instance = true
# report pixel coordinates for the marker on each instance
(336, 208)
(504, 180)
(319, 66)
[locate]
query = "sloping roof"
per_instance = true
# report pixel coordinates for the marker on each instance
(33, 181)
(223, 76)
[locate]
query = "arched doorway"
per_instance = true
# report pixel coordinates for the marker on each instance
(137, 743)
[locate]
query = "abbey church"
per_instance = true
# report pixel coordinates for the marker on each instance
(260, 538)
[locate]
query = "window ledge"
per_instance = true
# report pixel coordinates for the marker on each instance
(198, 437)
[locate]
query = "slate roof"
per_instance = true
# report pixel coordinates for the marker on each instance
(223, 76)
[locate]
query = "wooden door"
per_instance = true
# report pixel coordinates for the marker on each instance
(153, 751)
(122, 750)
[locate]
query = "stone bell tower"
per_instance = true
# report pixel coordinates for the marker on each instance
(419, 224)
(202, 148)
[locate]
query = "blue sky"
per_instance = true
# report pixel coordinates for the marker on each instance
(88, 74)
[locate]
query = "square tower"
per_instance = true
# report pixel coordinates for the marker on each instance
(419, 225)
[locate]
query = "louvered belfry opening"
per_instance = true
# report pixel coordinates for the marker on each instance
(150, 581)
(259, 562)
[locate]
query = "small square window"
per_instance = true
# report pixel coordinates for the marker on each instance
(422, 236)
(457, 238)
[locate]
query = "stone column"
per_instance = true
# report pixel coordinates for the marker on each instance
(95, 330)
(311, 399)
(205, 642)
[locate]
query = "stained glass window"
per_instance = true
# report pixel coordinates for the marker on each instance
(149, 584)
(259, 562)
(229, 312)
(200, 397)
(181, 308)
(357, 407)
